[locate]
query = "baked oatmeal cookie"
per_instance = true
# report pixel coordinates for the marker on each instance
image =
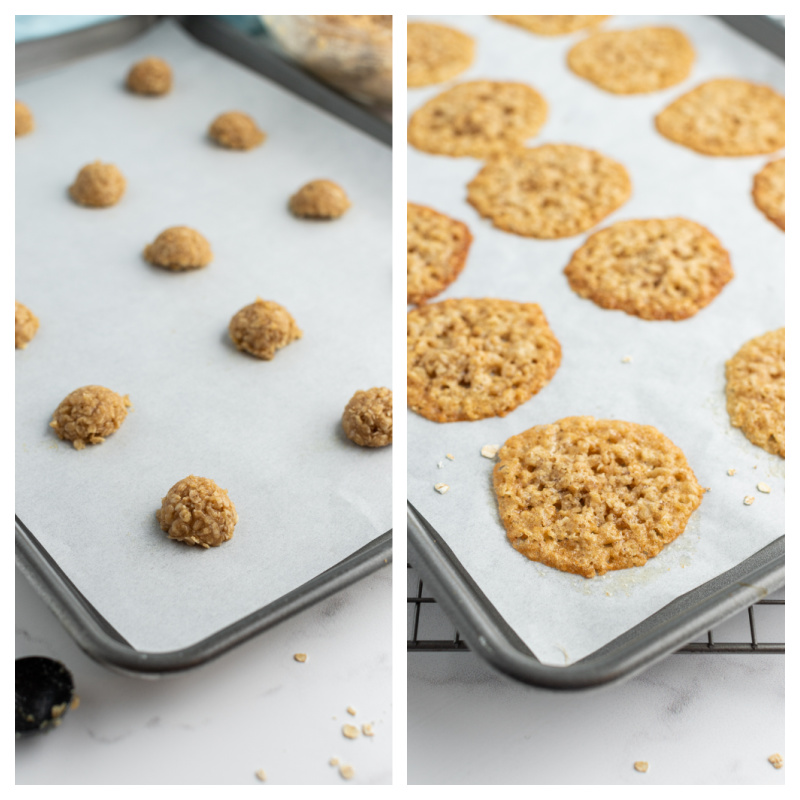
(549, 192)
(436, 53)
(769, 192)
(437, 248)
(26, 323)
(23, 119)
(477, 119)
(263, 328)
(588, 496)
(151, 76)
(236, 131)
(367, 417)
(98, 185)
(179, 248)
(320, 199)
(89, 414)
(726, 117)
(756, 391)
(196, 511)
(633, 61)
(470, 359)
(651, 268)
(553, 24)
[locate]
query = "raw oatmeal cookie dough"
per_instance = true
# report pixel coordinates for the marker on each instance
(436, 53)
(179, 248)
(151, 76)
(477, 119)
(588, 496)
(263, 328)
(470, 359)
(236, 131)
(549, 192)
(25, 325)
(769, 192)
(23, 119)
(553, 24)
(89, 414)
(320, 199)
(196, 511)
(756, 391)
(633, 61)
(98, 185)
(437, 248)
(651, 268)
(367, 418)
(726, 117)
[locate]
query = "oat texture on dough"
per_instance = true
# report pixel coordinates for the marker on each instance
(263, 328)
(319, 199)
(367, 417)
(89, 414)
(236, 130)
(179, 248)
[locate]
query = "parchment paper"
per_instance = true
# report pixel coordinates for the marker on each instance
(676, 379)
(268, 432)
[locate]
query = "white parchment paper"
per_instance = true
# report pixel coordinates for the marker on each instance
(268, 432)
(675, 380)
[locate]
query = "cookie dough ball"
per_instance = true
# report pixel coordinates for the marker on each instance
(179, 248)
(23, 119)
(367, 418)
(196, 511)
(262, 328)
(98, 185)
(236, 131)
(89, 414)
(25, 325)
(151, 76)
(319, 200)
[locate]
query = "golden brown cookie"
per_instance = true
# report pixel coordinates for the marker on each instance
(367, 417)
(588, 496)
(633, 61)
(196, 511)
(477, 119)
(26, 323)
(756, 391)
(651, 268)
(23, 119)
(263, 328)
(769, 192)
(437, 248)
(553, 24)
(471, 359)
(726, 117)
(89, 414)
(236, 131)
(319, 199)
(436, 53)
(549, 192)
(98, 185)
(179, 248)
(151, 76)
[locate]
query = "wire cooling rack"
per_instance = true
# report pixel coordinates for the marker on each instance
(758, 629)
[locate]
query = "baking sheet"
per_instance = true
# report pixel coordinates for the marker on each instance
(675, 379)
(269, 432)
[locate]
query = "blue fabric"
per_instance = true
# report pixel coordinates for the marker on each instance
(37, 26)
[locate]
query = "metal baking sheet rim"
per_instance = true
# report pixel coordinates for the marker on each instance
(93, 634)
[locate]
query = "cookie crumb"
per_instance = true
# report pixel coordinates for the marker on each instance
(489, 450)
(749, 500)
(441, 487)
(350, 731)
(334, 762)
(367, 730)
(763, 487)
(626, 359)
(346, 771)
(731, 471)
(301, 657)
(641, 766)
(440, 465)
(351, 711)
(261, 775)
(450, 456)
(776, 759)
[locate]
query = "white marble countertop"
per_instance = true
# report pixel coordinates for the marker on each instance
(254, 708)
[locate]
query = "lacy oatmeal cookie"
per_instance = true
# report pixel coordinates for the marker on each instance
(319, 199)
(769, 192)
(470, 359)
(756, 391)
(196, 511)
(726, 117)
(651, 268)
(436, 53)
(263, 328)
(98, 185)
(549, 192)
(23, 119)
(89, 414)
(437, 248)
(367, 417)
(552, 24)
(633, 61)
(26, 323)
(179, 248)
(236, 131)
(152, 76)
(477, 119)
(588, 496)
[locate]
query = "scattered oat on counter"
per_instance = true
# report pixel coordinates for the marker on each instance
(641, 766)
(441, 487)
(261, 775)
(98, 185)
(731, 471)
(763, 487)
(334, 762)
(301, 657)
(350, 731)
(440, 465)
(749, 500)
(450, 457)
(367, 730)
(351, 711)
(776, 759)
(346, 771)
(627, 359)
(489, 450)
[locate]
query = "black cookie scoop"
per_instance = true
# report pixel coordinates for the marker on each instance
(44, 693)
